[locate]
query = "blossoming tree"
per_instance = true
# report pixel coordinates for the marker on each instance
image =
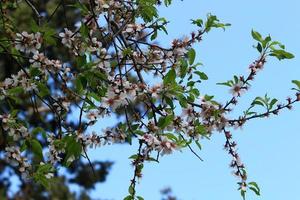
(103, 59)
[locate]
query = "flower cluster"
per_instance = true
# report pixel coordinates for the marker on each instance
(27, 43)
(55, 152)
(161, 144)
(40, 61)
(94, 140)
(120, 94)
(19, 80)
(16, 131)
(13, 154)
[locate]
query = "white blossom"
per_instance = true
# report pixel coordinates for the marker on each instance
(28, 42)
(67, 37)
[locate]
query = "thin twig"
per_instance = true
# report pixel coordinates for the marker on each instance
(55, 10)
(34, 10)
(191, 149)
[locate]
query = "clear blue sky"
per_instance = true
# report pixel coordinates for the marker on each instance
(268, 147)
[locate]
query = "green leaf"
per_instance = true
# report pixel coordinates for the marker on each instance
(228, 83)
(14, 113)
(34, 26)
(95, 96)
(37, 148)
(195, 92)
(274, 43)
(197, 22)
(80, 61)
(243, 194)
(170, 77)
(201, 75)
(236, 79)
(73, 148)
(254, 187)
(49, 35)
(171, 136)
(134, 156)
(272, 103)
(198, 144)
(135, 126)
(169, 102)
(163, 122)
(213, 22)
(42, 180)
(182, 100)
(266, 41)
(80, 84)
(44, 168)
(147, 9)
(258, 101)
(191, 56)
(167, 3)
(208, 97)
(162, 27)
(97, 74)
(49, 40)
(127, 52)
(297, 83)
(259, 47)
(257, 36)
(43, 89)
(191, 83)
(200, 129)
(281, 54)
(254, 190)
(83, 9)
(154, 35)
(23, 147)
(38, 130)
(15, 91)
(191, 97)
(140, 198)
(150, 159)
(129, 197)
(33, 71)
(183, 68)
(131, 190)
(84, 30)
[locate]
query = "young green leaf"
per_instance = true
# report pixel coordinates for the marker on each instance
(191, 55)
(201, 75)
(254, 187)
(297, 83)
(257, 36)
(281, 54)
(43, 89)
(197, 22)
(272, 103)
(170, 77)
(37, 148)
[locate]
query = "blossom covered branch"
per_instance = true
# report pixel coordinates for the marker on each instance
(114, 66)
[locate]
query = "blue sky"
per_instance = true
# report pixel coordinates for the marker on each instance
(268, 147)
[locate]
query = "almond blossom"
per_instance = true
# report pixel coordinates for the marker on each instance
(237, 89)
(28, 42)
(67, 38)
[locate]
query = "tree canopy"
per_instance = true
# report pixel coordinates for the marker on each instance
(66, 65)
